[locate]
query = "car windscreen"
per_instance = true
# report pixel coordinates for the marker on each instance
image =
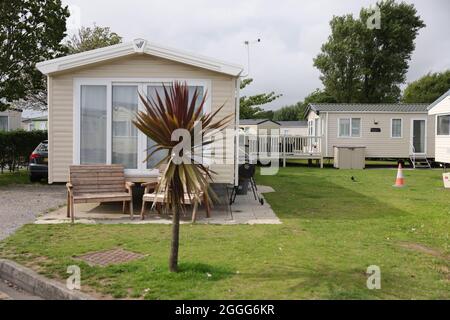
(43, 147)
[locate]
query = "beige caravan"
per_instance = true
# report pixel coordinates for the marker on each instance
(261, 126)
(10, 120)
(36, 123)
(297, 128)
(385, 130)
(93, 97)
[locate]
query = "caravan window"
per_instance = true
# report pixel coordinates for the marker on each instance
(396, 128)
(349, 127)
(443, 125)
(4, 123)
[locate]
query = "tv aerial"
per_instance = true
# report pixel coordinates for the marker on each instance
(248, 43)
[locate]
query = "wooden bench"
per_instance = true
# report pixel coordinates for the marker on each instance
(98, 183)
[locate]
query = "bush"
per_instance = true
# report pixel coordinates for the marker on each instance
(16, 147)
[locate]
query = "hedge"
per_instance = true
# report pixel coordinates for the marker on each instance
(16, 147)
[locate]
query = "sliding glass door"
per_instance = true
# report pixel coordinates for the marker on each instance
(124, 133)
(93, 114)
(105, 132)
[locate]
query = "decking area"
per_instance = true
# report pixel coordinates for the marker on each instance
(266, 148)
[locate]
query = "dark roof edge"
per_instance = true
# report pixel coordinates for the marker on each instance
(266, 120)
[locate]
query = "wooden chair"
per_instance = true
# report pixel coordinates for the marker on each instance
(98, 183)
(159, 199)
(150, 195)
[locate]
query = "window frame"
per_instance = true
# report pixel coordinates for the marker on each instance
(7, 122)
(401, 128)
(142, 83)
(436, 124)
(311, 127)
(350, 136)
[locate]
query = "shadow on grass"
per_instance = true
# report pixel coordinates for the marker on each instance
(310, 196)
(329, 164)
(328, 282)
(132, 279)
(199, 270)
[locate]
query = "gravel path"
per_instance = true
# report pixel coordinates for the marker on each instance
(20, 204)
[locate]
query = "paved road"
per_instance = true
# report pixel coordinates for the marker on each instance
(20, 204)
(8, 292)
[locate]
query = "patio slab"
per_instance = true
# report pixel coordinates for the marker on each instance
(245, 210)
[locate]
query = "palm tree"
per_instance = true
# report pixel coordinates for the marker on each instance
(162, 116)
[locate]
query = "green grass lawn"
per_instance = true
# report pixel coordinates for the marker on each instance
(333, 229)
(18, 177)
(329, 163)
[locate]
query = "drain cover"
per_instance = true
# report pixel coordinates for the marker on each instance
(108, 257)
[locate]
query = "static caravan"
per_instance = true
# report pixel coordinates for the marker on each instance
(440, 111)
(10, 120)
(385, 130)
(36, 123)
(93, 98)
(294, 128)
(254, 126)
(251, 126)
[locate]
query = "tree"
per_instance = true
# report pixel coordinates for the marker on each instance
(184, 173)
(317, 96)
(428, 88)
(362, 64)
(297, 111)
(340, 57)
(30, 31)
(89, 38)
(250, 106)
(265, 114)
(287, 113)
(86, 39)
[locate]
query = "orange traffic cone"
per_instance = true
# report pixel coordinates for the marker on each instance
(400, 181)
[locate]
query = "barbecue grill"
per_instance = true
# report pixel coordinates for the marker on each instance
(246, 178)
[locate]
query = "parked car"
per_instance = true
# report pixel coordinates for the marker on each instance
(38, 167)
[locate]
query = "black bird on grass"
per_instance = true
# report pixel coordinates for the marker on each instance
(353, 179)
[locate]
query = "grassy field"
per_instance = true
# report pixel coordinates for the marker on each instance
(333, 229)
(18, 177)
(329, 163)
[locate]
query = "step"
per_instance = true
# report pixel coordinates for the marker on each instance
(10, 292)
(419, 156)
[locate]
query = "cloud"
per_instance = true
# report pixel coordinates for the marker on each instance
(291, 34)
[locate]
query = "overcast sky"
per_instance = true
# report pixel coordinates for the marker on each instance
(291, 34)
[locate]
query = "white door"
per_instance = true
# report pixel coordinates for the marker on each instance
(418, 135)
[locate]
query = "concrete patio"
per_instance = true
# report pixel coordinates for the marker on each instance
(245, 210)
